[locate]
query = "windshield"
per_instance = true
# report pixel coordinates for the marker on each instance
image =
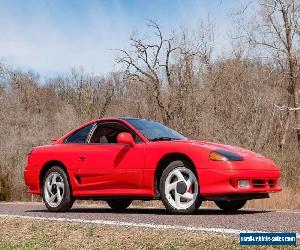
(155, 131)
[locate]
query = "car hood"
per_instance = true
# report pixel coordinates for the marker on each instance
(253, 160)
(240, 151)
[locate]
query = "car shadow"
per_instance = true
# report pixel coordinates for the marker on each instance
(154, 211)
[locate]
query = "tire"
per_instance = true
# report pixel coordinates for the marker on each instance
(56, 190)
(231, 206)
(176, 194)
(119, 204)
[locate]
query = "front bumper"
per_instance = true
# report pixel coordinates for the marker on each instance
(214, 182)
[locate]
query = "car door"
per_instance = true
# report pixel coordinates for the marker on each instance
(109, 168)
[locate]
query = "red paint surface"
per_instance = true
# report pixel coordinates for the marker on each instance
(124, 170)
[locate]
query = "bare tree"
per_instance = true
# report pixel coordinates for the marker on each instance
(110, 86)
(90, 95)
(276, 29)
(166, 66)
(145, 62)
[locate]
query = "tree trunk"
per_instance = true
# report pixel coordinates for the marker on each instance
(296, 98)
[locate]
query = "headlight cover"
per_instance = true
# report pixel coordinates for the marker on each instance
(223, 155)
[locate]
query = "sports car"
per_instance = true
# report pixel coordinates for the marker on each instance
(122, 159)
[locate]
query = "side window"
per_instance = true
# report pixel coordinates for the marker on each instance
(107, 132)
(80, 136)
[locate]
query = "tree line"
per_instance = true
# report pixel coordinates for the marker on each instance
(248, 97)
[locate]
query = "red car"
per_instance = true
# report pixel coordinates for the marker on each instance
(123, 159)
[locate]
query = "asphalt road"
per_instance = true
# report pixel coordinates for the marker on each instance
(248, 220)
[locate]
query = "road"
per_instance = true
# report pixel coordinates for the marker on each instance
(206, 219)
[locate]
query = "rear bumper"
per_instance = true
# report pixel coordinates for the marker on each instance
(218, 183)
(31, 178)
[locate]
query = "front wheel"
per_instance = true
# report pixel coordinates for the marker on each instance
(119, 204)
(231, 206)
(179, 188)
(57, 191)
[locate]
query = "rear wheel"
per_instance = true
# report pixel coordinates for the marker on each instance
(56, 190)
(119, 204)
(179, 188)
(231, 206)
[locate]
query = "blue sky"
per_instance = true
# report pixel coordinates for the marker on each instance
(52, 36)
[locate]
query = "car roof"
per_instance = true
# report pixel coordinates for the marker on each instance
(125, 118)
(130, 118)
(116, 118)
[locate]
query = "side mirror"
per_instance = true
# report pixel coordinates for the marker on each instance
(125, 138)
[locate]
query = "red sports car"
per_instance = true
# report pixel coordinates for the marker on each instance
(123, 159)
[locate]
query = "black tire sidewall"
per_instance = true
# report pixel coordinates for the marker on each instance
(119, 204)
(67, 200)
(169, 207)
(230, 206)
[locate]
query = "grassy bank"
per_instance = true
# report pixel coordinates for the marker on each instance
(287, 199)
(31, 234)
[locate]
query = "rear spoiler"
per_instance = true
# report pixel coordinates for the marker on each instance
(54, 140)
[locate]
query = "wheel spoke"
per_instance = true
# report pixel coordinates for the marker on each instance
(59, 196)
(179, 175)
(52, 198)
(60, 185)
(177, 199)
(48, 186)
(188, 183)
(188, 196)
(53, 180)
(171, 187)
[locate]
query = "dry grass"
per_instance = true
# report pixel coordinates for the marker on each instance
(287, 198)
(30, 234)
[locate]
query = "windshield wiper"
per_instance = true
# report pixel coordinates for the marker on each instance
(163, 138)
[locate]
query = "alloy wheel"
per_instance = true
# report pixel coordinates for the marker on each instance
(54, 189)
(181, 188)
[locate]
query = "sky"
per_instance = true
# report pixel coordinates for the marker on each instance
(53, 36)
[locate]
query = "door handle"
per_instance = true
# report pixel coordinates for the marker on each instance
(81, 158)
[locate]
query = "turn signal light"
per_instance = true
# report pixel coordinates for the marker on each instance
(215, 156)
(224, 155)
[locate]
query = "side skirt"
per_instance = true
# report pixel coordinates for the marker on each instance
(104, 198)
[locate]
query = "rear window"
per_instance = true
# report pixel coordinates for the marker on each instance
(81, 135)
